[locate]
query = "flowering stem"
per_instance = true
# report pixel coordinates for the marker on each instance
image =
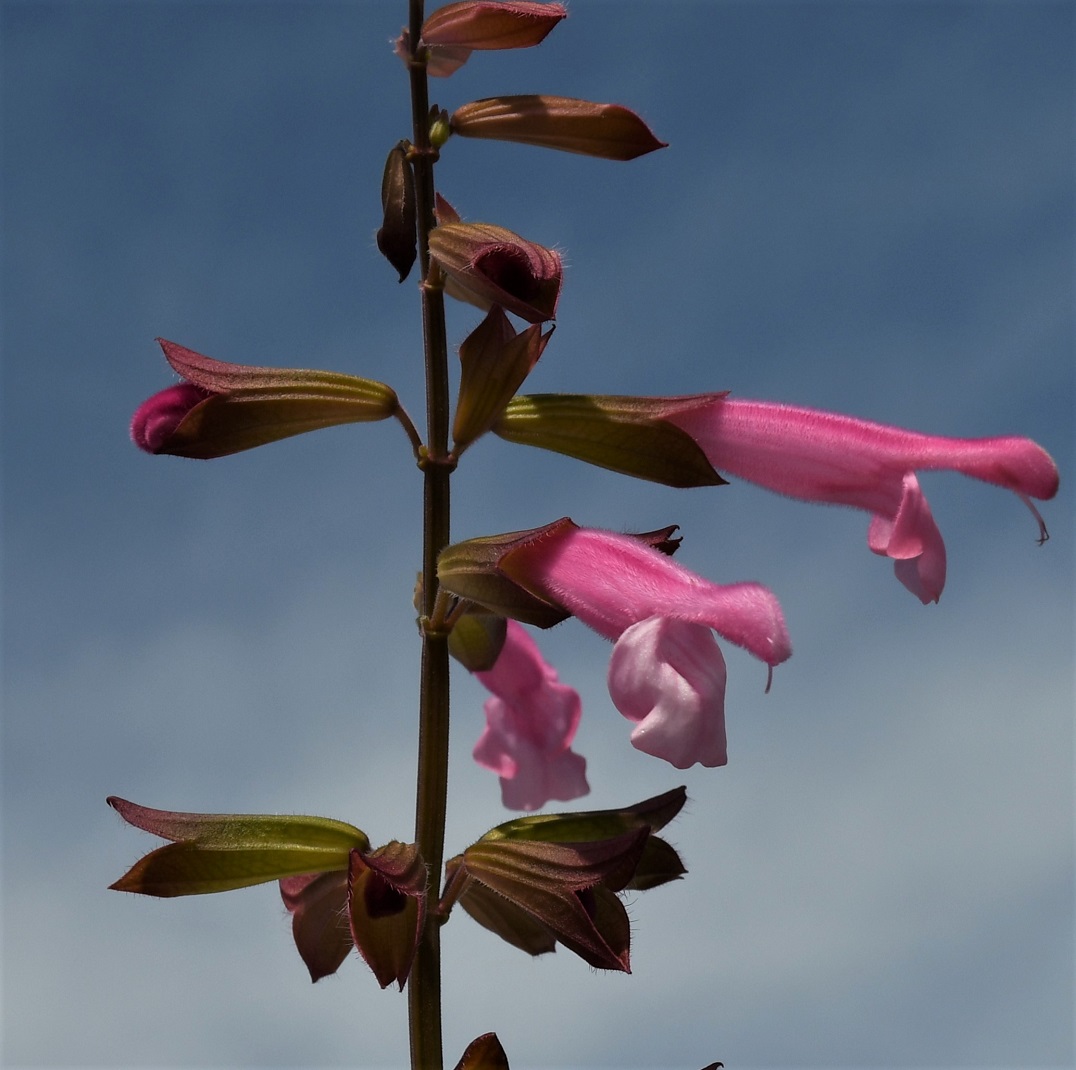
(424, 984)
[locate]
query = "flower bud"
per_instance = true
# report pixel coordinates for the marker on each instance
(397, 238)
(495, 361)
(224, 408)
(440, 129)
(484, 1053)
(583, 126)
(489, 265)
(476, 640)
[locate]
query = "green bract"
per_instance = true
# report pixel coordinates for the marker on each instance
(625, 434)
(219, 852)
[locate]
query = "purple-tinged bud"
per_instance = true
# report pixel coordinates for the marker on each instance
(609, 131)
(397, 238)
(156, 419)
(484, 1053)
(224, 408)
(489, 265)
(495, 361)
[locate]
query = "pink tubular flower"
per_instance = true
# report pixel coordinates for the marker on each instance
(826, 457)
(667, 674)
(531, 721)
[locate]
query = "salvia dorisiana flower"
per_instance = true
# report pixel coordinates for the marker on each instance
(608, 131)
(488, 265)
(340, 893)
(531, 720)
(827, 457)
(222, 408)
(803, 453)
(453, 32)
(667, 673)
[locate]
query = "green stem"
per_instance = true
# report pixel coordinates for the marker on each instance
(424, 984)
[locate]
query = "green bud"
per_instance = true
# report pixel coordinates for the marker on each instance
(440, 127)
(476, 640)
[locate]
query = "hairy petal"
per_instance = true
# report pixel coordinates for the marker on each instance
(612, 581)
(827, 457)
(824, 456)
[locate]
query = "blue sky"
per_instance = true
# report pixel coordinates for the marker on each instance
(865, 207)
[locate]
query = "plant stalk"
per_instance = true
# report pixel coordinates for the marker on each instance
(424, 983)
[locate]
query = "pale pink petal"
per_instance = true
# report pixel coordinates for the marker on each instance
(531, 721)
(669, 677)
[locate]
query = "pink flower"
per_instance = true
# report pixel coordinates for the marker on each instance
(531, 721)
(667, 673)
(826, 457)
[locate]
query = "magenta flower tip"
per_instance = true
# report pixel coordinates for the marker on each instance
(157, 418)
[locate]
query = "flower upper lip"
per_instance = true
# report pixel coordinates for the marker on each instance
(827, 457)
